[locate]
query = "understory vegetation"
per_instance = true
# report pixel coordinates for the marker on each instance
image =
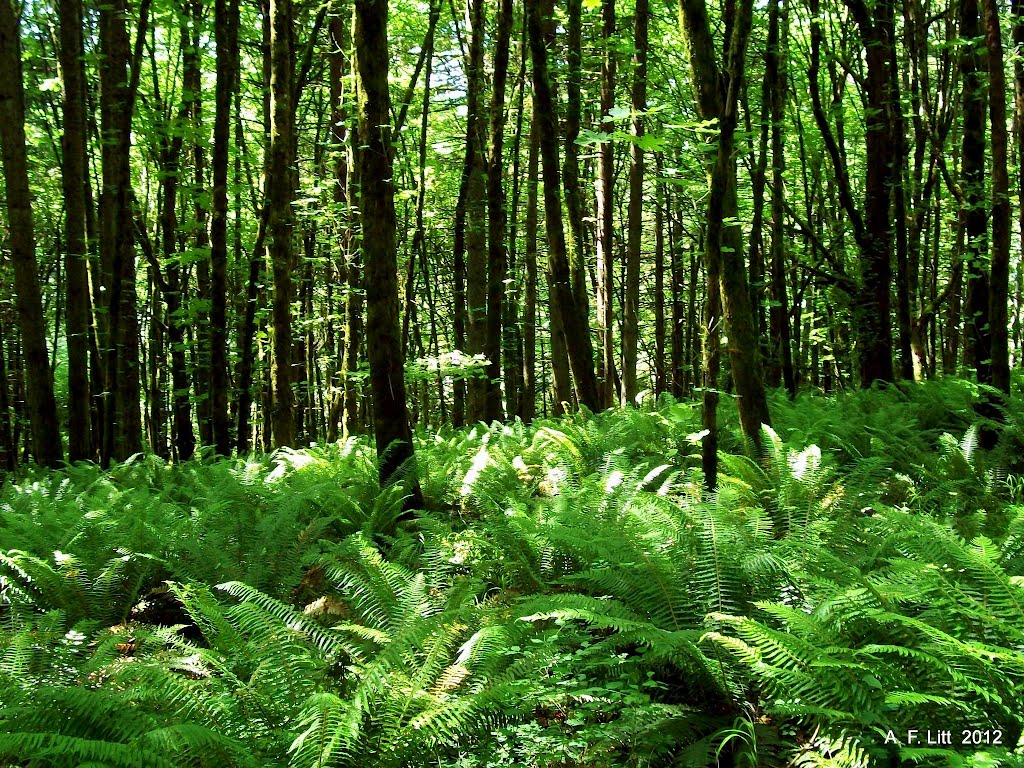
(571, 597)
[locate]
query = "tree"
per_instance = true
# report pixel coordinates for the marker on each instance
(775, 84)
(119, 82)
(226, 15)
(631, 309)
(999, 256)
(496, 216)
(471, 212)
(280, 192)
(377, 207)
(873, 231)
(574, 322)
(74, 151)
(42, 406)
(717, 99)
(605, 213)
(972, 208)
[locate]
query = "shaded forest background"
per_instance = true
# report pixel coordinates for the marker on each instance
(246, 225)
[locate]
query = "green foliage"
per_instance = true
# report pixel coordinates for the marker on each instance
(576, 598)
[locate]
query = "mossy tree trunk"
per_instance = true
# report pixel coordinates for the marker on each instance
(717, 99)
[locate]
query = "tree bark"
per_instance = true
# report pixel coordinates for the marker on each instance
(873, 231)
(635, 212)
(528, 406)
(717, 97)
(972, 181)
(42, 407)
(123, 429)
(775, 82)
(74, 180)
(279, 198)
(575, 239)
(1018, 127)
(999, 255)
(226, 33)
(605, 191)
(573, 317)
(377, 205)
(497, 258)
(474, 180)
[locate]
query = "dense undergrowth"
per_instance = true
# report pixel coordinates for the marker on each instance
(573, 598)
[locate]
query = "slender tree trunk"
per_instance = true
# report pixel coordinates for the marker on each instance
(677, 343)
(245, 373)
(377, 203)
(339, 47)
(574, 238)
(475, 207)
(512, 354)
(884, 173)
(123, 429)
(192, 78)
(972, 211)
(660, 374)
(497, 259)
(8, 451)
(605, 190)
(354, 401)
(226, 32)
(576, 325)
(74, 178)
(635, 212)
(999, 256)
(279, 199)
(775, 82)
(693, 350)
(183, 436)
(42, 407)
(724, 247)
(528, 407)
(1018, 127)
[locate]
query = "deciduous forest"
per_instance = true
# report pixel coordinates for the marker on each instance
(520, 383)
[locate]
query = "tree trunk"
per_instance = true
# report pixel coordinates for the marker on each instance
(635, 212)
(884, 172)
(74, 178)
(497, 260)
(192, 95)
(775, 82)
(123, 429)
(723, 250)
(605, 191)
(575, 323)
(226, 32)
(999, 256)
(972, 211)
(474, 180)
(42, 407)
(660, 373)
(528, 407)
(279, 199)
(512, 337)
(377, 205)
(872, 231)
(575, 239)
(1018, 127)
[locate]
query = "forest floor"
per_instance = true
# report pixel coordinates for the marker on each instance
(573, 598)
